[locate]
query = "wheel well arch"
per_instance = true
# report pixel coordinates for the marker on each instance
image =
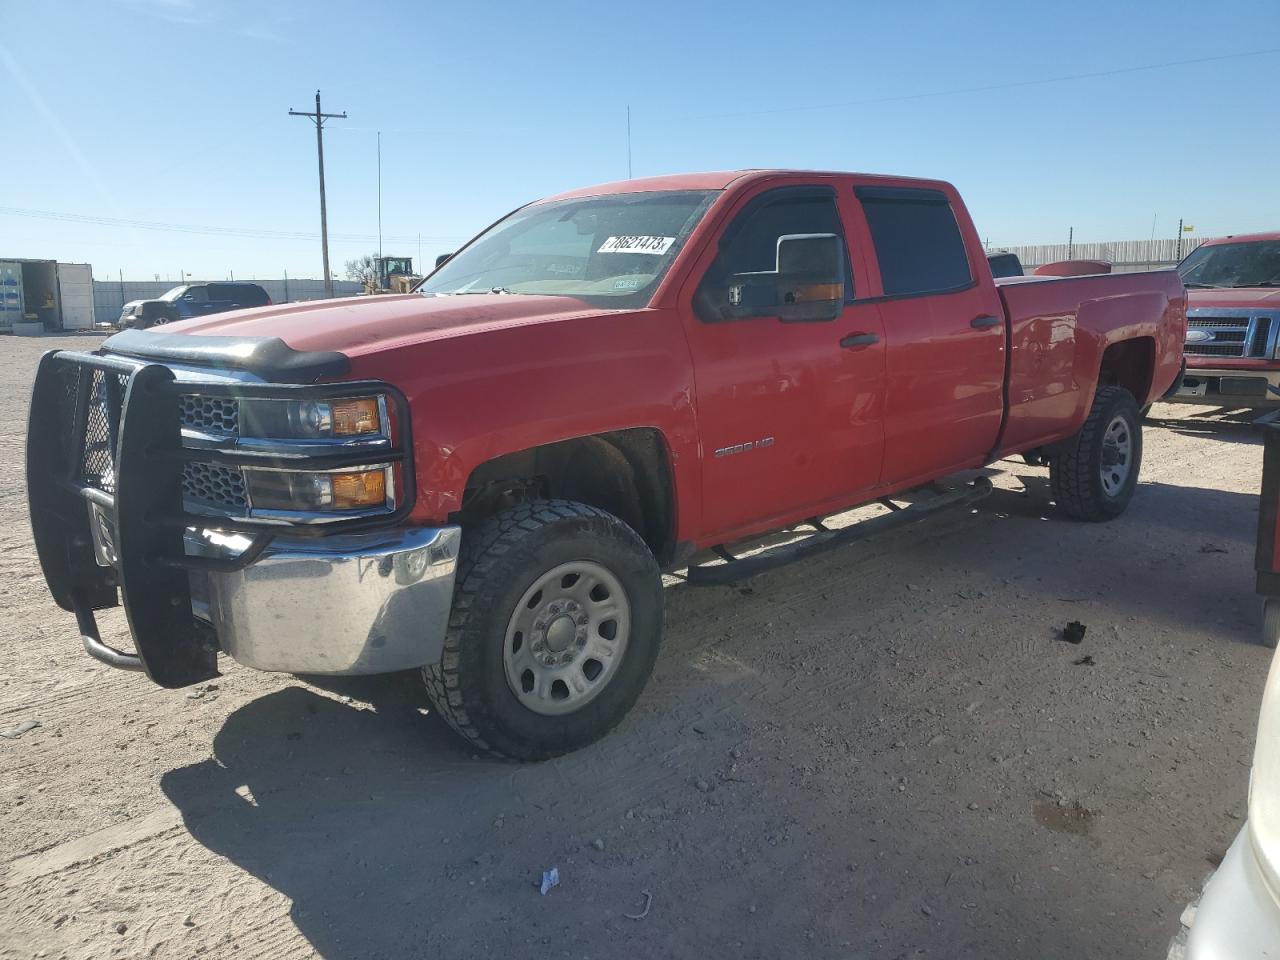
(626, 472)
(1129, 364)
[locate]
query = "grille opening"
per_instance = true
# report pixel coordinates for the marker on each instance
(214, 485)
(1261, 336)
(215, 415)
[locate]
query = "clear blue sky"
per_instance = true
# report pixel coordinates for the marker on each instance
(174, 111)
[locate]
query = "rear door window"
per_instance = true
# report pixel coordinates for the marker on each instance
(917, 240)
(247, 295)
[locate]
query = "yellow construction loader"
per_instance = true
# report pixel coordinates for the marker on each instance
(395, 275)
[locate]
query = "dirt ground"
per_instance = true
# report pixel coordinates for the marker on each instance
(885, 751)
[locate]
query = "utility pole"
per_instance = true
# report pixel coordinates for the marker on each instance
(1179, 256)
(379, 195)
(318, 119)
(1071, 236)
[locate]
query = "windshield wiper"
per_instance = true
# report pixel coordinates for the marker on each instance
(464, 293)
(1213, 286)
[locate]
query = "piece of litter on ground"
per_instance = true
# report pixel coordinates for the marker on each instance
(648, 902)
(1212, 548)
(550, 878)
(1073, 632)
(13, 733)
(1085, 661)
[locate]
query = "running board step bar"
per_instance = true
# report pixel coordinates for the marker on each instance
(735, 570)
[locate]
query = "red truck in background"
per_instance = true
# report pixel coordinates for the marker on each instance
(1233, 321)
(484, 478)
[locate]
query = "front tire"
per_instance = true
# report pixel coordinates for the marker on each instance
(556, 624)
(1094, 473)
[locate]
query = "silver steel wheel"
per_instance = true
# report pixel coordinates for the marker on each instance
(1117, 455)
(567, 637)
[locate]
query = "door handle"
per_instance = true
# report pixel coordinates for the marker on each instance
(856, 340)
(984, 323)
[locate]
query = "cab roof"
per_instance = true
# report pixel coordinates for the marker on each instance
(720, 180)
(1243, 238)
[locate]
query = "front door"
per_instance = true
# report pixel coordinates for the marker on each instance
(789, 419)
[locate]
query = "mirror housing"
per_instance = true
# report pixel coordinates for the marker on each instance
(806, 285)
(442, 260)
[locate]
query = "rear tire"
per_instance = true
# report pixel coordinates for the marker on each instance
(1271, 622)
(1094, 474)
(556, 623)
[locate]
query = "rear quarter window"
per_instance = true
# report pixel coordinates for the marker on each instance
(917, 240)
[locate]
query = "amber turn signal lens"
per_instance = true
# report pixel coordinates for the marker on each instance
(354, 491)
(354, 417)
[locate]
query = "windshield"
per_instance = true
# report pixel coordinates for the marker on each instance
(172, 295)
(613, 249)
(1254, 264)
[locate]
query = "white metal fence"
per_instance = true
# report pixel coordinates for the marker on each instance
(109, 296)
(1126, 256)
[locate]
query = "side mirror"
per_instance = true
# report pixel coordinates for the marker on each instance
(807, 284)
(189, 299)
(442, 260)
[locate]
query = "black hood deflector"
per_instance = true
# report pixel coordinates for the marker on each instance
(267, 357)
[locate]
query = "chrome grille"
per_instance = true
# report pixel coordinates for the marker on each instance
(1230, 332)
(214, 485)
(215, 415)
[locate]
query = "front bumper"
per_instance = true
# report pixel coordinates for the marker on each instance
(362, 593)
(1226, 386)
(361, 603)
(1238, 917)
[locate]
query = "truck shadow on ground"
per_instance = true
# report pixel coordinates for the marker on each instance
(392, 840)
(1227, 424)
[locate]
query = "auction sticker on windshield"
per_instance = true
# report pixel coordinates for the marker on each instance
(653, 245)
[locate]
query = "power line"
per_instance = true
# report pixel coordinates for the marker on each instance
(986, 88)
(252, 233)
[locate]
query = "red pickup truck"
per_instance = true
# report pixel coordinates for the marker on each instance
(1233, 315)
(484, 478)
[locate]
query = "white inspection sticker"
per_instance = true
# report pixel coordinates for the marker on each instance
(653, 245)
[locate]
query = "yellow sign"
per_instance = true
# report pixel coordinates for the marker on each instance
(1188, 228)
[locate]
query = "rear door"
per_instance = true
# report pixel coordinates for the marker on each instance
(789, 420)
(944, 333)
(75, 293)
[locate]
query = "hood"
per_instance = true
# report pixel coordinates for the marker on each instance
(361, 325)
(1238, 297)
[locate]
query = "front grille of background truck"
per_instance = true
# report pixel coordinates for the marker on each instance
(1242, 336)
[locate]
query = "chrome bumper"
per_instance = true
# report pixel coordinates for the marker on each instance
(347, 604)
(1226, 386)
(1238, 917)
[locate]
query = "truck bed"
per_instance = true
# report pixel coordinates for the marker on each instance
(1058, 331)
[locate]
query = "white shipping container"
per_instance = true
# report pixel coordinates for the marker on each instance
(75, 295)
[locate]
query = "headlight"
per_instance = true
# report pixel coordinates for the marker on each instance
(312, 419)
(1264, 790)
(318, 492)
